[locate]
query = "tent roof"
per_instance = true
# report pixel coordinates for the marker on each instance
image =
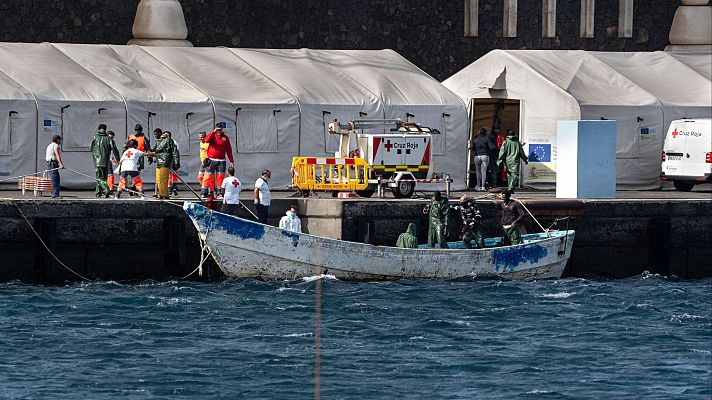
(10, 90)
(386, 73)
(307, 76)
(596, 77)
(221, 74)
(133, 72)
(700, 62)
(48, 74)
(668, 79)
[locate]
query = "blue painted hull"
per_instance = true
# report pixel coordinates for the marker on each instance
(245, 248)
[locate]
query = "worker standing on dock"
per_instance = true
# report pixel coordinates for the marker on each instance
(144, 144)
(510, 155)
(482, 159)
(54, 164)
(164, 151)
(512, 217)
(263, 197)
(438, 212)
(113, 160)
(173, 176)
(101, 149)
(492, 170)
(129, 163)
(218, 146)
(471, 222)
(203, 157)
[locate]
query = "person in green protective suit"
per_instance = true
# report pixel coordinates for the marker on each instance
(101, 148)
(408, 239)
(510, 155)
(438, 212)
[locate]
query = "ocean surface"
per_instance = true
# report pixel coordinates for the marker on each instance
(644, 337)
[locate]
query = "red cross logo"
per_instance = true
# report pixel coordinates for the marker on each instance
(129, 154)
(235, 183)
(388, 145)
(675, 133)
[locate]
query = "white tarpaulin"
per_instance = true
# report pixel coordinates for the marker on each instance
(155, 97)
(18, 129)
(577, 85)
(66, 94)
(276, 104)
(261, 118)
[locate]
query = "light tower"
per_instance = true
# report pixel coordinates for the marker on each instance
(691, 28)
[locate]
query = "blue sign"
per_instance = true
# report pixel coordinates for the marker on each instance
(47, 122)
(644, 131)
(540, 153)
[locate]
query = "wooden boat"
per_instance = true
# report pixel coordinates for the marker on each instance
(247, 249)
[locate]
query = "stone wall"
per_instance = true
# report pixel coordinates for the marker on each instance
(430, 33)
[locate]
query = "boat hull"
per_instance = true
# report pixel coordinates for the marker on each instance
(246, 249)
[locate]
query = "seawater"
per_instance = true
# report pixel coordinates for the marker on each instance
(644, 337)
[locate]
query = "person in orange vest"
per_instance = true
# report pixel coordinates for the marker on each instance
(114, 159)
(218, 146)
(143, 144)
(203, 157)
(128, 164)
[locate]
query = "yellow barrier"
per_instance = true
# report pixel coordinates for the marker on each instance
(329, 174)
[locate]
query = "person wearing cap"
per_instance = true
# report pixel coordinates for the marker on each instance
(471, 222)
(510, 155)
(230, 188)
(512, 217)
(218, 147)
(291, 221)
(101, 149)
(438, 212)
(54, 164)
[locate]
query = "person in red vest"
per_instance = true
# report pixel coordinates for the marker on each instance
(218, 147)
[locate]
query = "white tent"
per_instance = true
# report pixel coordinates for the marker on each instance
(576, 85)
(261, 117)
(408, 93)
(276, 103)
(70, 101)
(155, 96)
(18, 129)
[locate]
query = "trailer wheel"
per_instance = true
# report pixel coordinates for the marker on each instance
(366, 193)
(683, 186)
(403, 189)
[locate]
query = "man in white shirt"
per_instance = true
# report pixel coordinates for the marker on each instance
(290, 221)
(129, 167)
(231, 187)
(54, 164)
(262, 196)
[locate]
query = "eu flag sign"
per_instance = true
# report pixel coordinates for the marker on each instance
(540, 153)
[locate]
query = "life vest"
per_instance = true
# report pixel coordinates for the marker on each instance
(141, 141)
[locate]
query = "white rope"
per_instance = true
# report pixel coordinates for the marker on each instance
(204, 249)
(535, 220)
(47, 248)
(23, 175)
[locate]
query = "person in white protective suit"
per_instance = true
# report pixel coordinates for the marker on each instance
(290, 221)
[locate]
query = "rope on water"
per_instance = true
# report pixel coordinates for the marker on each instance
(47, 247)
(204, 249)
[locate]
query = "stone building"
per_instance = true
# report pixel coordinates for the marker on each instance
(439, 36)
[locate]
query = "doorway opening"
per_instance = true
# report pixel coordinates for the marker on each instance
(490, 114)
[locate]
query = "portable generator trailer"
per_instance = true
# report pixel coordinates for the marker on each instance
(399, 152)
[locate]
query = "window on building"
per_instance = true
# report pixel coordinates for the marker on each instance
(587, 18)
(510, 18)
(471, 18)
(548, 18)
(625, 18)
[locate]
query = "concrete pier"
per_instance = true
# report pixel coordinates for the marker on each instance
(137, 240)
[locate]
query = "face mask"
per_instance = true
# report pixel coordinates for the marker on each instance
(102, 130)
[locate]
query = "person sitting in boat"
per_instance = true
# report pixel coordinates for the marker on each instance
(408, 239)
(512, 217)
(471, 222)
(291, 221)
(438, 212)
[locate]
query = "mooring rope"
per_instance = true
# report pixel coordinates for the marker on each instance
(534, 218)
(23, 175)
(47, 247)
(204, 249)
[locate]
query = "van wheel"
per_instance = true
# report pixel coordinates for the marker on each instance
(683, 186)
(403, 189)
(366, 192)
